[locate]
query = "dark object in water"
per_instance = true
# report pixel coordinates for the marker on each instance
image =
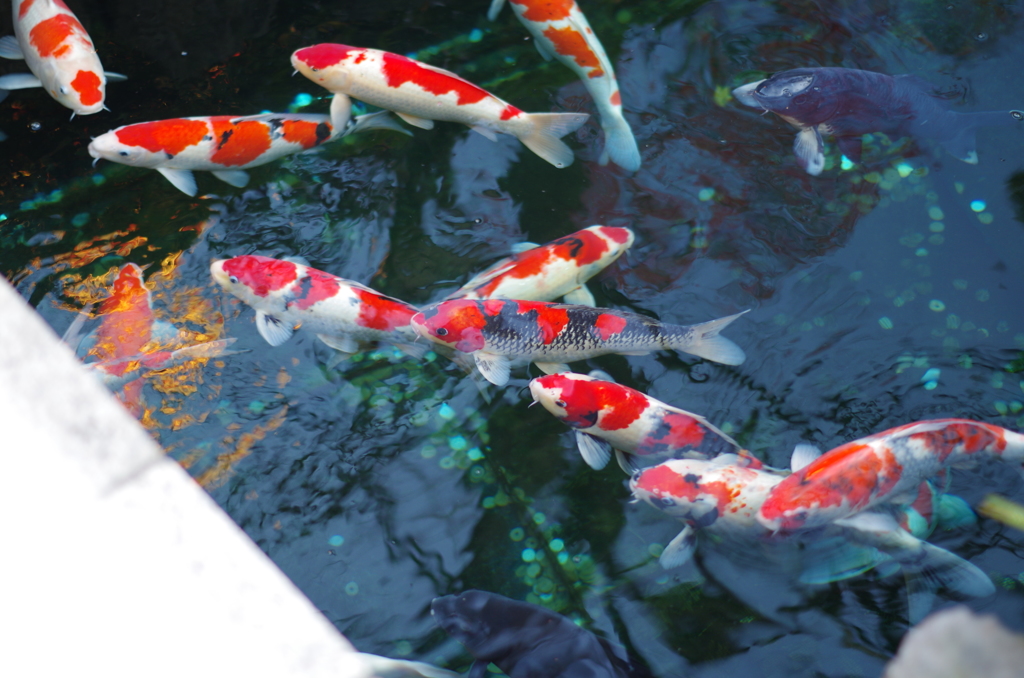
(848, 103)
(527, 641)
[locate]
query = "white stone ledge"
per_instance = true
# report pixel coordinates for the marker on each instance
(114, 562)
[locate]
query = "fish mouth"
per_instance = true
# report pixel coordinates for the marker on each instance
(218, 273)
(745, 94)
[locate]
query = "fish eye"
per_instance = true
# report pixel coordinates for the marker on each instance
(1017, 115)
(442, 332)
(233, 279)
(561, 403)
(666, 502)
(63, 90)
(786, 92)
(315, 70)
(123, 154)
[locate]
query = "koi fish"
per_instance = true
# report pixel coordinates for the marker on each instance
(560, 31)
(849, 103)
(222, 144)
(559, 268)
(287, 295)
(884, 467)
(500, 332)
(721, 498)
(609, 416)
(526, 640)
(119, 372)
(60, 54)
(419, 94)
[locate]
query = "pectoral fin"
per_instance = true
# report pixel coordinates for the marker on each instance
(180, 179)
(341, 112)
(19, 81)
(340, 342)
(524, 246)
(803, 454)
(415, 121)
(810, 151)
(482, 131)
(114, 77)
(275, 331)
(495, 9)
(625, 463)
(596, 452)
(542, 50)
(552, 368)
(10, 49)
(680, 549)
(580, 296)
(851, 147)
(495, 368)
(236, 178)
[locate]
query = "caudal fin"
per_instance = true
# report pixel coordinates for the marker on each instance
(619, 143)
(704, 341)
(546, 132)
(940, 569)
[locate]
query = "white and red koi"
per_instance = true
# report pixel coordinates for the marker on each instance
(609, 416)
(558, 269)
(420, 93)
(561, 31)
(500, 332)
(721, 497)
(222, 144)
(287, 295)
(60, 54)
(885, 467)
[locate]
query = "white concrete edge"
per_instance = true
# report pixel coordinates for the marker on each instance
(114, 561)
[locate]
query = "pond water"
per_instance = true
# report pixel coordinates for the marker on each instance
(882, 293)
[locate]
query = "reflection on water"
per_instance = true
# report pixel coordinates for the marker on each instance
(882, 293)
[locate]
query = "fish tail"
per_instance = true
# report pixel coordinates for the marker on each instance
(619, 143)
(956, 131)
(545, 135)
(940, 569)
(704, 341)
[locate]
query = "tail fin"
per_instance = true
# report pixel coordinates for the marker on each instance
(704, 341)
(546, 132)
(619, 143)
(958, 138)
(941, 569)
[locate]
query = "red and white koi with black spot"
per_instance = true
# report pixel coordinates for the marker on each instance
(561, 31)
(420, 93)
(558, 269)
(609, 416)
(223, 144)
(60, 54)
(721, 497)
(497, 333)
(885, 467)
(287, 295)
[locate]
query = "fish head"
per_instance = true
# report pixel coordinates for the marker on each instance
(801, 95)
(78, 86)
(571, 397)
(129, 280)
(463, 616)
(258, 281)
(601, 246)
(110, 146)
(458, 324)
(686, 489)
(327, 64)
